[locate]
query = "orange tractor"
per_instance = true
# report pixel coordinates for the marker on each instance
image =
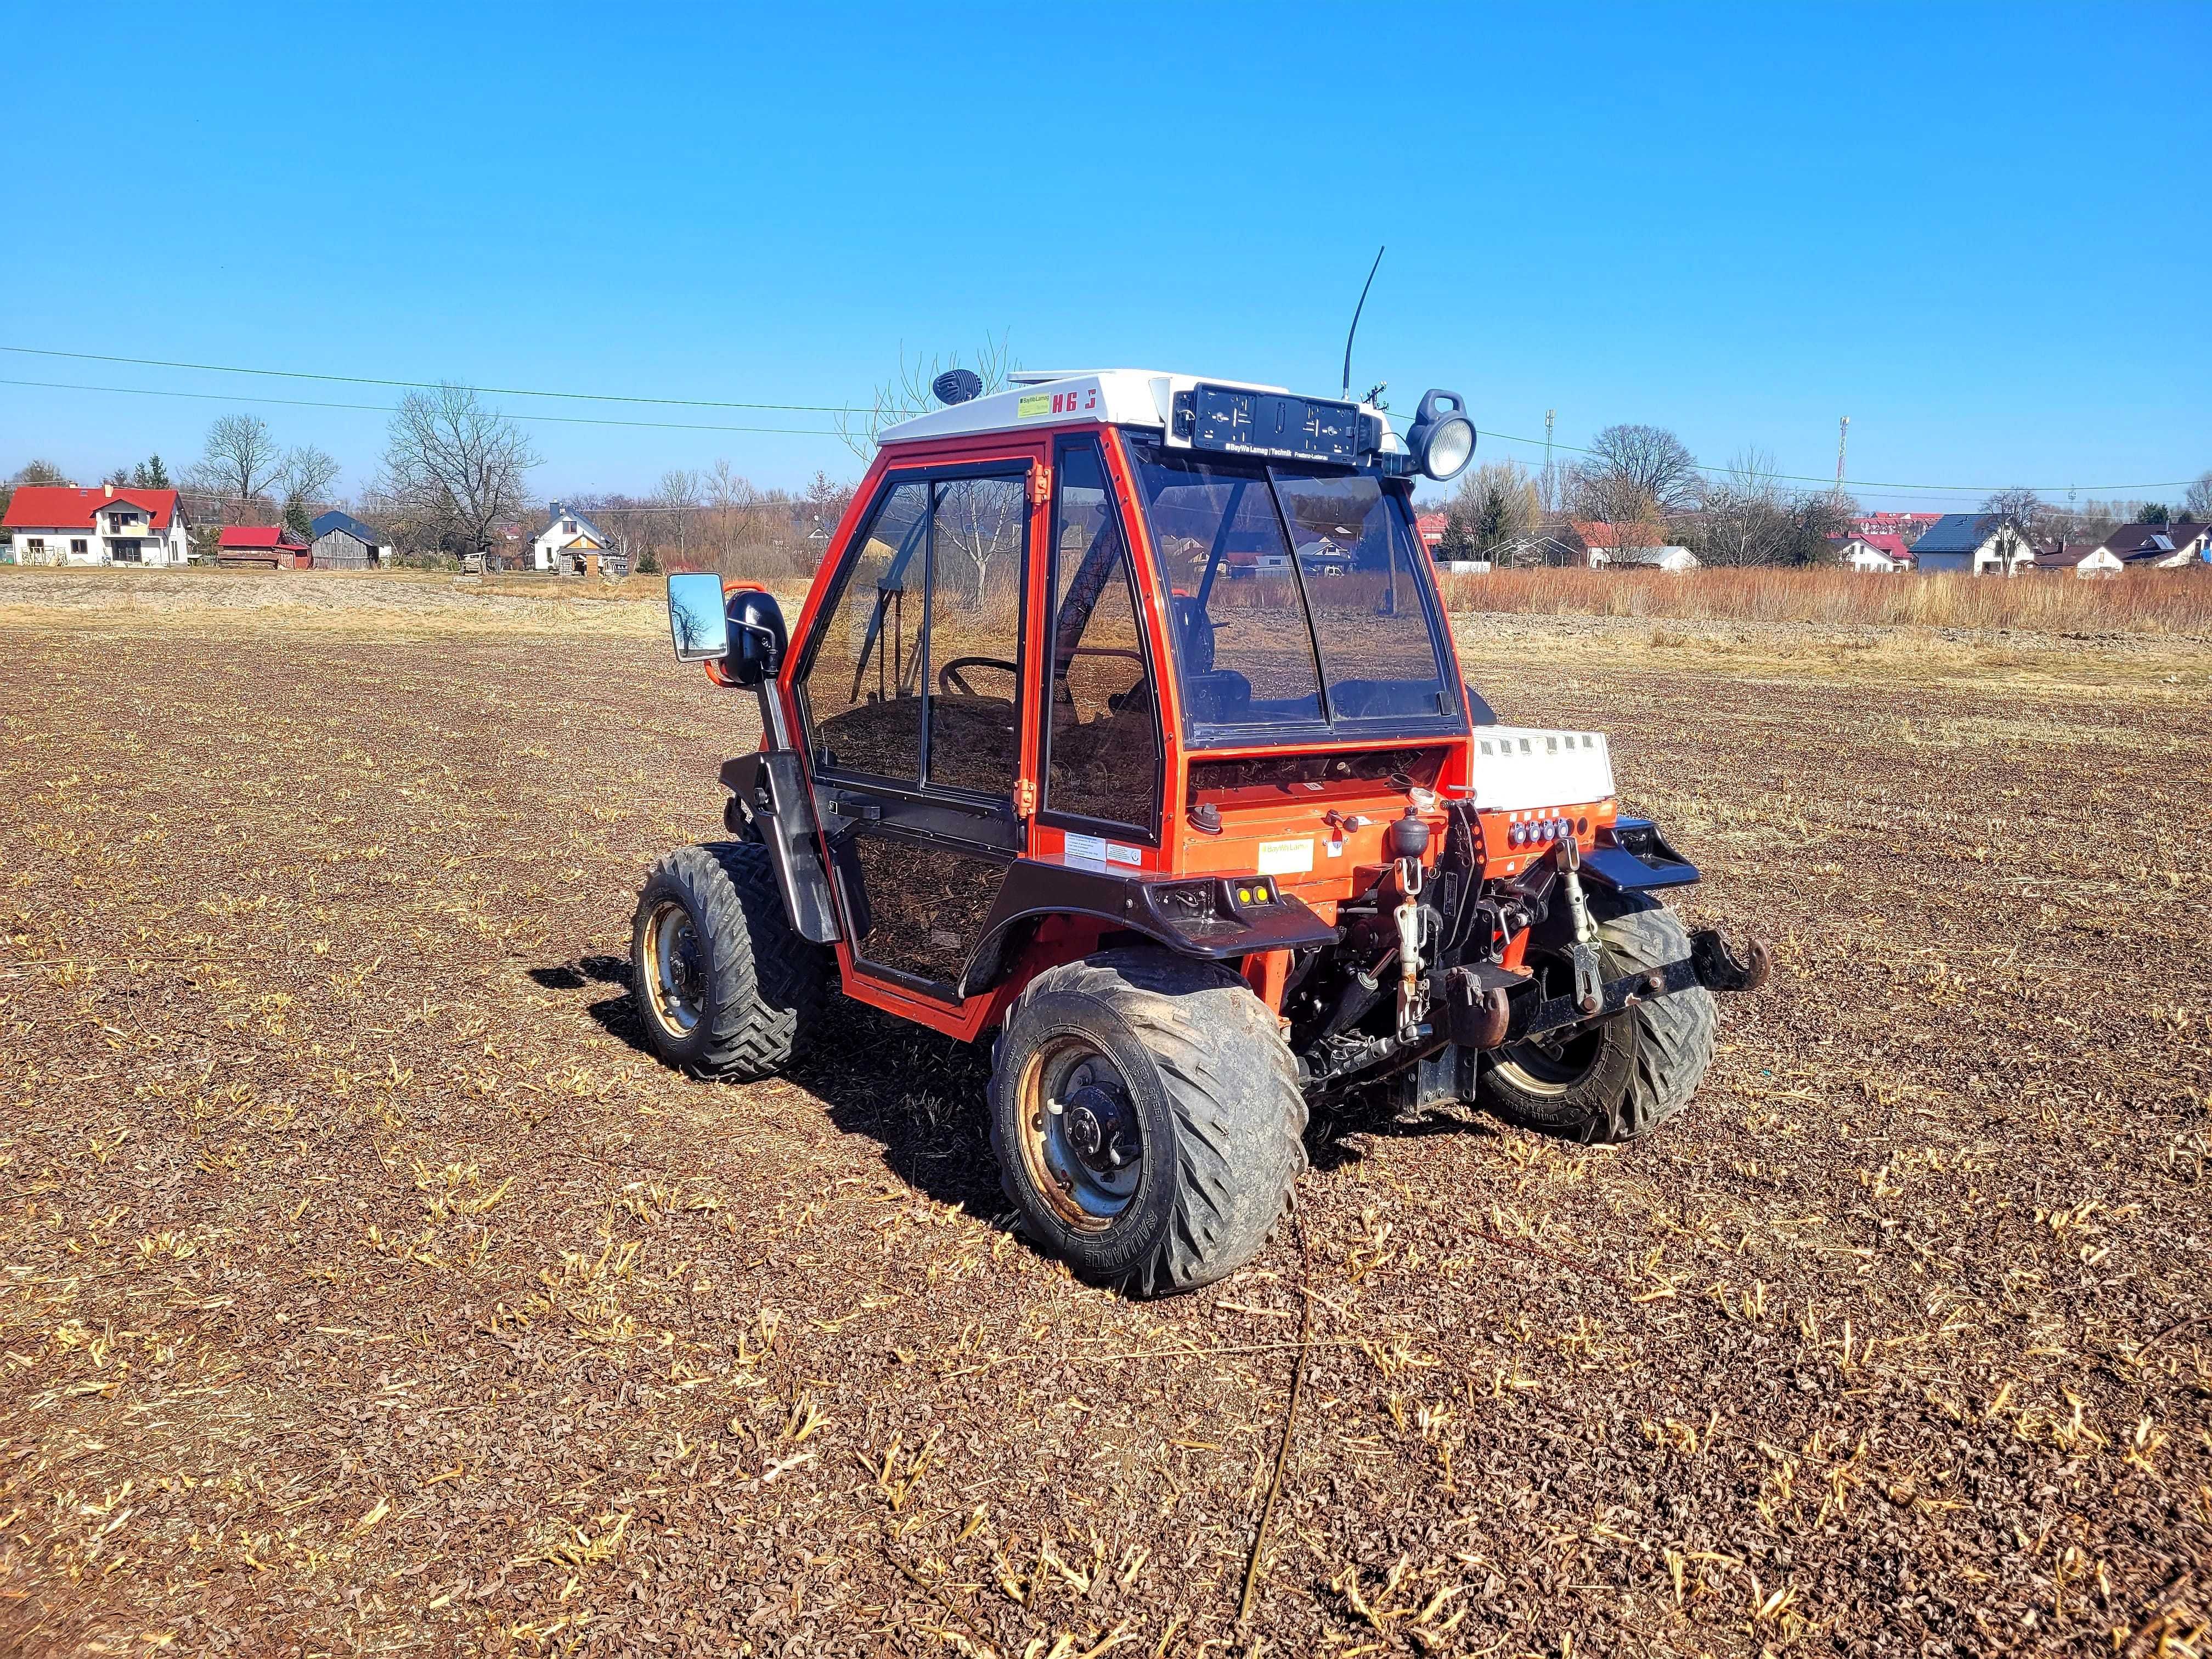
(1123, 726)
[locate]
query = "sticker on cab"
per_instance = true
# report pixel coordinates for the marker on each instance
(1035, 403)
(1282, 857)
(1096, 849)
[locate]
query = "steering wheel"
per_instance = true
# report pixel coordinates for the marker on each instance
(950, 680)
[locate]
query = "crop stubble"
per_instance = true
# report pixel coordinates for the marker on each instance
(365, 1287)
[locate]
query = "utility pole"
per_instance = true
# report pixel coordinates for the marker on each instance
(1843, 441)
(1549, 492)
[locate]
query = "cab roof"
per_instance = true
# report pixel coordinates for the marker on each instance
(1118, 397)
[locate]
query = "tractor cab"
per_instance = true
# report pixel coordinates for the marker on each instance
(1145, 671)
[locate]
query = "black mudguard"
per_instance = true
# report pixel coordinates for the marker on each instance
(1195, 916)
(1633, 857)
(771, 792)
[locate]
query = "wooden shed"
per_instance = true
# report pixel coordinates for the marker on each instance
(344, 542)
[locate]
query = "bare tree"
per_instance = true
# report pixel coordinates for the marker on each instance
(1631, 468)
(2197, 504)
(907, 393)
(2019, 504)
(307, 474)
(454, 468)
(240, 460)
(732, 496)
(678, 492)
(1496, 507)
(1742, 517)
(40, 472)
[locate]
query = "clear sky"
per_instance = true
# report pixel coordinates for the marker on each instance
(1978, 231)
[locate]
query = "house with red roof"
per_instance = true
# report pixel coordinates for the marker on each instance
(61, 524)
(270, 546)
(1873, 553)
(1621, 545)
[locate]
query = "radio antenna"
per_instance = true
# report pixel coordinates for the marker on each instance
(1356, 310)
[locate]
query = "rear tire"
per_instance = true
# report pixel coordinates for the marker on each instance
(1631, 1074)
(1188, 1071)
(723, 986)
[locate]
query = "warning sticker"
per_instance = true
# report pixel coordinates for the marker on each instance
(1036, 402)
(1282, 858)
(1096, 849)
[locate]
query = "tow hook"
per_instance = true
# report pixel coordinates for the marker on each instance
(1590, 978)
(1719, 968)
(1413, 998)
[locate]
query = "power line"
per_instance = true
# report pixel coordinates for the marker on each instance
(426, 386)
(1869, 483)
(1547, 443)
(381, 409)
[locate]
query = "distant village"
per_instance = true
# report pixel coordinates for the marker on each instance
(119, 525)
(1874, 543)
(1636, 501)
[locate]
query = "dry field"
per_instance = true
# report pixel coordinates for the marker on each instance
(363, 1288)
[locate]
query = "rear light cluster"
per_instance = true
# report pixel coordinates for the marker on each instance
(1537, 832)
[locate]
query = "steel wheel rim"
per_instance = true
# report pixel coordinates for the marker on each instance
(1081, 1138)
(1551, 1070)
(675, 977)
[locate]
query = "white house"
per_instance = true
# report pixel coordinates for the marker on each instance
(2159, 546)
(1868, 560)
(567, 541)
(1644, 558)
(1872, 553)
(61, 524)
(2080, 560)
(1974, 544)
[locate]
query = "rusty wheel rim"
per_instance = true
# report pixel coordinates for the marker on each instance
(1082, 1140)
(675, 977)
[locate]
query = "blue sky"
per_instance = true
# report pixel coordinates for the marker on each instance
(1976, 231)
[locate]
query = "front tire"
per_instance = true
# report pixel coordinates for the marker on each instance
(1628, 1075)
(1147, 1118)
(723, 985)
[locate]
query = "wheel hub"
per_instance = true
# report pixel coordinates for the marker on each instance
(1084, 1143)
(1101, 1128)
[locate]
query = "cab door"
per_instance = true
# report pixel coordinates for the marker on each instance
(912, 691)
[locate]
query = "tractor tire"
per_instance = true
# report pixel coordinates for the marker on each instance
(1632, 1072)
(1147, 1118)
(723, 985)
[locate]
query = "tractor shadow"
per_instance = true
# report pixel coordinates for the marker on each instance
(1342, 1135)
(922, 1096)
(918, 1095)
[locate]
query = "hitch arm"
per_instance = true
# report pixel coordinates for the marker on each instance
(1709, 963)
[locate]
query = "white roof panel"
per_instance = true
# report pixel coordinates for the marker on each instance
(1119, 396)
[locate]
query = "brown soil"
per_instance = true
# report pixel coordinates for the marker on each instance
(367, 1288)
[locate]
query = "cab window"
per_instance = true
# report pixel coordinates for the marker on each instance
(864, 687)
(916, 675)
(1103, 744)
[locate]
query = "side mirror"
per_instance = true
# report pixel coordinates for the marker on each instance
(1193, 634)
(758, 641)
(698, 627)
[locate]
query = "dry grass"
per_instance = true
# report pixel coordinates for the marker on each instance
(2153, 602)
(367, 1289)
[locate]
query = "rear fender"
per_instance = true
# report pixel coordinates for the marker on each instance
(1196, 916)
(1631, 856)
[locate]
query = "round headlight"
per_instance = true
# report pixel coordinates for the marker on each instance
(1450, 448)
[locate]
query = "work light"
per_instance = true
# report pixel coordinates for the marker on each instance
(1441, 438)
